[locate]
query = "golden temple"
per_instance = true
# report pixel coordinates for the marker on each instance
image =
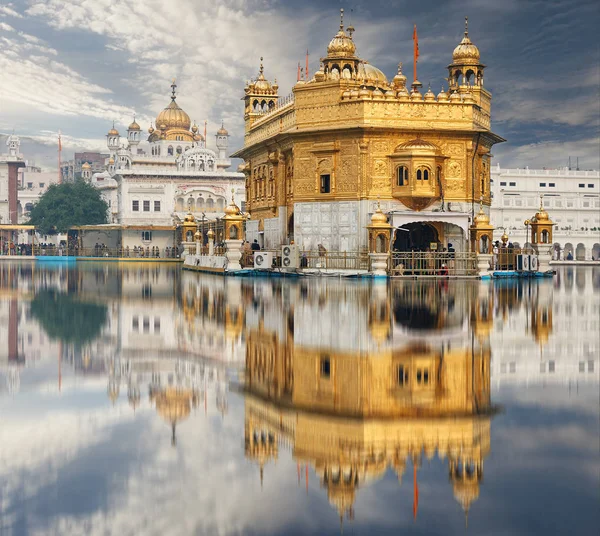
(316, 161)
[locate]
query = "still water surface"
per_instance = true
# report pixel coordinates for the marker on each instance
(142, 400)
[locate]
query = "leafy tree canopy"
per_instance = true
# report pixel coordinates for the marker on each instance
(64, 205)
(67, 319)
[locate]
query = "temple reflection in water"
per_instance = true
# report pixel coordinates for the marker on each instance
(355, 379)
(348, 379)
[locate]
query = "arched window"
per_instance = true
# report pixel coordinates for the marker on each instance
(179, 205)
(423, 174)
(170, 150)
(419, 175)
(401, 176)
(179, 150)
(200, 203)
(210, 204)
(545, 236)
(220, 204)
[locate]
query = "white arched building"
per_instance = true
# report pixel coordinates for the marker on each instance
(571, 197)
(151, 187)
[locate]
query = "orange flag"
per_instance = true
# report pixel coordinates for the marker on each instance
(416, 52)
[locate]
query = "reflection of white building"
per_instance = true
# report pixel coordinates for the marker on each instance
(548, 332)
(150, 188)
(572, 198)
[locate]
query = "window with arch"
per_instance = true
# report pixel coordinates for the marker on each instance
(423, 174)
(210, 204)
(200, 203)
(545, 236)
(170, 150)
(179, 150)
(402, 176)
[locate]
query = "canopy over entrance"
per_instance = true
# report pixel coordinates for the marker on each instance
(416, 232)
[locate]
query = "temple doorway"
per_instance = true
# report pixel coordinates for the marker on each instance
(415, 237)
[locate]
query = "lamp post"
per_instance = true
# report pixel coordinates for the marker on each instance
(527, 223)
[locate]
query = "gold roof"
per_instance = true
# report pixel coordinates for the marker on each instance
(466, 52)
(368, 72)
(113, 131)
(173, 117)
(86, 166)
(481, 219)
(341, 45)
(134, 125)
(189, 217)
(222, 131)
(232, 209)
(541, 216)
(378, 216)
(261, 85)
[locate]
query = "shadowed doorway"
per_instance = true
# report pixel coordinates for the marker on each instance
(415, 237)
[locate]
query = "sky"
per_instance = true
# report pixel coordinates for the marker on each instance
(78, 65)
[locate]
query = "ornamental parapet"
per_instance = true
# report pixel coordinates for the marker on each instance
(281, 120)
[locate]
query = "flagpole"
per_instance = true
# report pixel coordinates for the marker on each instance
(59, 158)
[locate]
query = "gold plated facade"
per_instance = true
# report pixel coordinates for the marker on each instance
(348, 134)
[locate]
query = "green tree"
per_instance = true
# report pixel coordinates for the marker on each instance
(66, 318)
(64, 205)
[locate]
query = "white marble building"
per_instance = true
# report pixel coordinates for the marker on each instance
(150, 187)
(572, 199)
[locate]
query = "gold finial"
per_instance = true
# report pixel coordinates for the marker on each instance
(342, 19)
(261, 65)
(232, 198)
(400, 68)
(173, 88)
(541, 201)
(466, 26)
(350, 31)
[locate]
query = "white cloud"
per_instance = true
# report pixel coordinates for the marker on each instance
(7, 10)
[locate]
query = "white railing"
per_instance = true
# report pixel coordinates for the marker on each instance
(560, 172)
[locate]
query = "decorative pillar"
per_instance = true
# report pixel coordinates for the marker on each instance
(234, 234)
(188, 231)
(541, 237)
(198, 238)
(211, 242)
(380, 232)
(481, 234)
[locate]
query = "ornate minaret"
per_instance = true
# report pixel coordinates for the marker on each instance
(86, 172)
(260, 97)
(112, 140)
(222, 142)
(465, 73)
(134, 133)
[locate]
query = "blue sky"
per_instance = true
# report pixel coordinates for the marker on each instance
(77, 65)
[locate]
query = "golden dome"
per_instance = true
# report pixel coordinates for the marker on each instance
(222, 131)
(232, 209)
(341, 45)
(466, 52)
(134, 125)
(429, 96)
(173, 117)
(378, 216)
(197, 236)
(368, 72)
(417, 143)
(189, 217)
(174, 404)
(541, 216)
(86, 166)
(111, 160)
(113, 131)
(210, 234)
(481, 219)
(442, 95)
(466, 492)
(151, 129)
(364, 92)
(399, 80)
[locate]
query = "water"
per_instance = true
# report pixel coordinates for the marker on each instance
(143, 400)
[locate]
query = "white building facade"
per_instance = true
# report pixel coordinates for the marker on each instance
(151, 188)
(572, 199)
